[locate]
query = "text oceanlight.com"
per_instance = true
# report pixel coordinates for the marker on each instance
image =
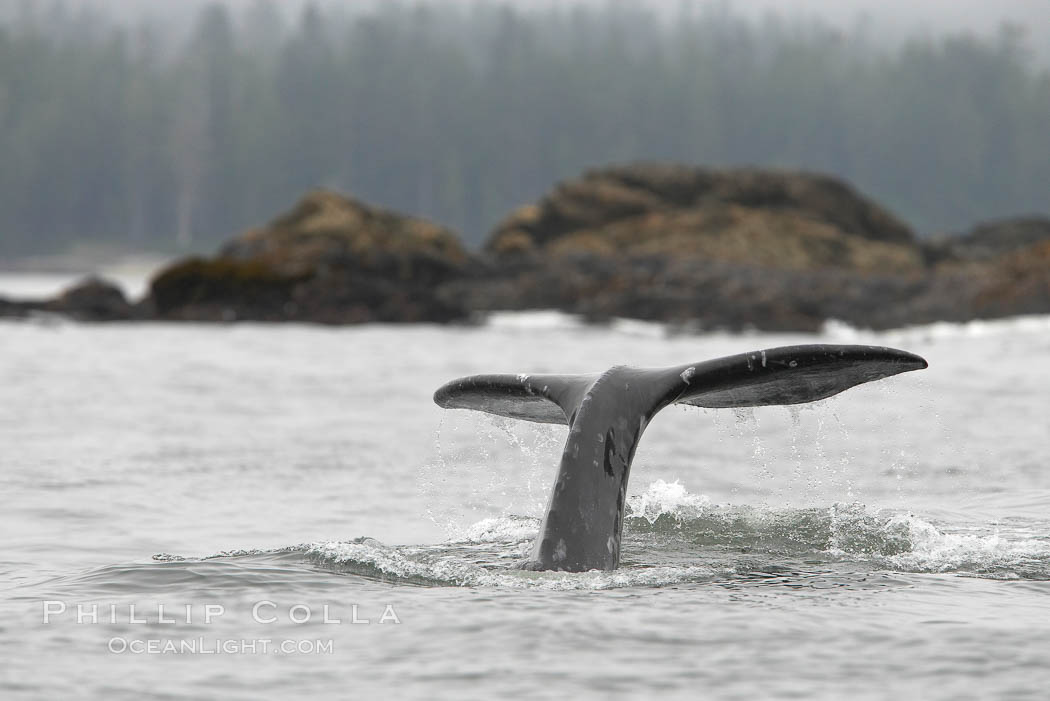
(219, 646)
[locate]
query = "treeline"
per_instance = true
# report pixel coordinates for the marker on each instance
(111, 134)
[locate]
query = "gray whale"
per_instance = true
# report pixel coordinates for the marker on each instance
(607, 413)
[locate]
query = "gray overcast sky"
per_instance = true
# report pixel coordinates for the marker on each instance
(932, 15)
(889, 19)
(920, 16)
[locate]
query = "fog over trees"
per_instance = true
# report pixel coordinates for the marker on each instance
(118, 133)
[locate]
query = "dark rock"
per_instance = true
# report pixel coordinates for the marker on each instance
(93, 299)
(731, 249)
(14, 309)
(740, 249)
(715, 295)
(330, 260)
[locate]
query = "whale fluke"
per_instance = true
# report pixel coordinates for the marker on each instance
(607, 413)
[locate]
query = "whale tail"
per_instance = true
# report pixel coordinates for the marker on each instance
(607, 413)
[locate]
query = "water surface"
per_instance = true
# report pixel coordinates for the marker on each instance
(893, 540)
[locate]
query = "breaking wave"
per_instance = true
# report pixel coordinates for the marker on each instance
(691, 539)
(888, 539)
(671, 537)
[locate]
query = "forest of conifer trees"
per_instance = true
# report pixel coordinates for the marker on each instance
(116, 134)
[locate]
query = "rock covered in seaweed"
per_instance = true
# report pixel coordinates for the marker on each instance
(750, 248)
(736, 249)
(331, 259)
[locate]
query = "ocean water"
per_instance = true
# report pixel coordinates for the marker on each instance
(197, 490)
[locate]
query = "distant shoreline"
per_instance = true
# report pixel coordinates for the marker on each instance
(733, 249)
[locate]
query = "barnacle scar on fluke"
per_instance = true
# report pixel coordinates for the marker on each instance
(607, 413)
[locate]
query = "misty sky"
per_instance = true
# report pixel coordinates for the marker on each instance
(907, 16)
(887, 21)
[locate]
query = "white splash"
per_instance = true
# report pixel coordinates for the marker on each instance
(504, 529)
(667, 498)
(936, 551)
(454, 571)
(905, 542)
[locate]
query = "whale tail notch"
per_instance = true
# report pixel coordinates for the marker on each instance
(607, 413)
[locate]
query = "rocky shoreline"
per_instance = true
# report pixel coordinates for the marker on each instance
(730, 249)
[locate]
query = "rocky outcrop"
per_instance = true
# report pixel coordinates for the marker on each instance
(94, 299)
(331, 259)
(732, 249)
(727, 249)
(91, 299)
(746, 248)
(793, 221)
